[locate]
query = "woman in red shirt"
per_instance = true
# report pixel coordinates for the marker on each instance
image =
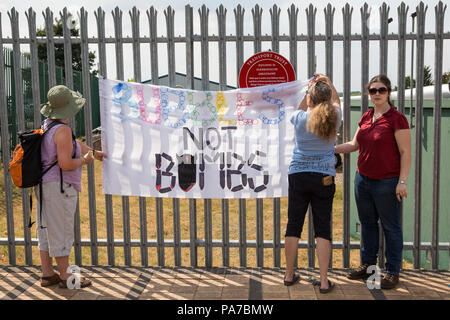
(384, 142)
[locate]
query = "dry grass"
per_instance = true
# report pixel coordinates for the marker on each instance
(168, 228)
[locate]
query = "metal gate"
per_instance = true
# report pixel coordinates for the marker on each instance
(204, 39)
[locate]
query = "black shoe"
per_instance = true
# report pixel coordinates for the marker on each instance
(359, 273)
(295, 278)
(330, 286)
(389, 281)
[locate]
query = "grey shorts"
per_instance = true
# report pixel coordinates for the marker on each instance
(58, 215)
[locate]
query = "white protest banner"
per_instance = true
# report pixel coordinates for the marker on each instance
(166, 142)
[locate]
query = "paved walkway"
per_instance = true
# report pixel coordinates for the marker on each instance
(185, 283)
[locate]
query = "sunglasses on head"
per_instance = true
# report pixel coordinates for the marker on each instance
(380, 90)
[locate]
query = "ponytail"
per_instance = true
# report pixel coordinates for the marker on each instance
(322, 121)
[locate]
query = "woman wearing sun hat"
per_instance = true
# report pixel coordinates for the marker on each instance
(60, 184)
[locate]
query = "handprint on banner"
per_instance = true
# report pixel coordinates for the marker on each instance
(241, 103)
(144, 108)
(168, 109)
(276, 101)
(199, 114)
(123, 96)
(222, 107)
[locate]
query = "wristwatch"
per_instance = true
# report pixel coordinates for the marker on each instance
(402, 182)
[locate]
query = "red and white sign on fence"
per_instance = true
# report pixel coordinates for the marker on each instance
(265, 68)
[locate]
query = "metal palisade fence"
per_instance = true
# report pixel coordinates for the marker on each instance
(204, 39)
(28, 104)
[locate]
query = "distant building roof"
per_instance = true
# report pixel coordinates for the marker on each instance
(181, 80)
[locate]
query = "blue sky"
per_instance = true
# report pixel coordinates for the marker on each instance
(178, 6)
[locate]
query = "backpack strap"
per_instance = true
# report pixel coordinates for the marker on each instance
(54, 123)
(51, 125)
(30, 224)
(40, 206)
(74, 154)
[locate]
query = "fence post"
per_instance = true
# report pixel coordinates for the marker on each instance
(152, 20)
(421, 11)
(48, 16)
(275, 15)
(19, 104)
(293, 14)
(88, 133)
(204, 13)
(239, 19)
(384, 24)
(257, 15)
(439, 14)
(189, 23)
(66, 18)
(221, 21)
(134, 15)
(5, 155)
(117, 16)
(31, 16)
(402, 19)
(311, 19)
(402, 11)
(170, 23)
(347, 15)
(329, 16)
(365, 15)
(100, 16)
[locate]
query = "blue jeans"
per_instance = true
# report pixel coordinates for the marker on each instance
(376, 199)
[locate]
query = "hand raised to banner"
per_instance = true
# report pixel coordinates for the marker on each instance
(320, 77)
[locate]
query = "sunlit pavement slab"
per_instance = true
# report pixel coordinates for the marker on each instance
(186, 283)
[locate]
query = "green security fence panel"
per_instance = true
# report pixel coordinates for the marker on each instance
(44, 87)
(427, 184)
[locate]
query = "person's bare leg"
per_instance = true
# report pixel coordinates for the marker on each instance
(291, 245)
(323, 247)
(47, 264)
(63, 264)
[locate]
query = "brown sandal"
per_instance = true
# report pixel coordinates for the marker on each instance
(50, 281)
(84, 282)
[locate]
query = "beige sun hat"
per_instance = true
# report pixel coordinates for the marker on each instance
(62, 103)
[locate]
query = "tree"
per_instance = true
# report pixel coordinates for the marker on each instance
(446, 77)
(59, 48)
(427, 76)
(408, 82)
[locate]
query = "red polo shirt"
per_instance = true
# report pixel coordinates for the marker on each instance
(379, 157)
